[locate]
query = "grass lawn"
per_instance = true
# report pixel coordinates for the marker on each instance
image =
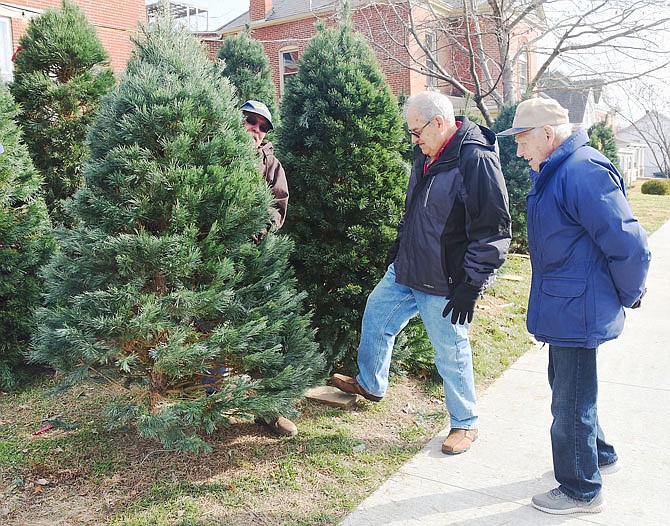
(651, 210)
(79, 473)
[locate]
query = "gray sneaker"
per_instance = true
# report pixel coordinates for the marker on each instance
(558, 503)
(608, 469)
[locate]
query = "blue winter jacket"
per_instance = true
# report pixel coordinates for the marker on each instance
(457, 226)
(589, 254)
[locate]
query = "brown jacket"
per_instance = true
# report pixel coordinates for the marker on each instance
(274, 174)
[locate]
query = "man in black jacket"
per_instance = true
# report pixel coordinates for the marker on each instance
(453, 237)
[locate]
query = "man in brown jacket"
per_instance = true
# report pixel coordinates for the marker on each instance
(258, 122)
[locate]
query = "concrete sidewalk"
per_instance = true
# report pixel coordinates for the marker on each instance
(493, 483)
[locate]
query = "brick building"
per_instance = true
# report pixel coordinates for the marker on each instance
(285, 26)
(114, 20)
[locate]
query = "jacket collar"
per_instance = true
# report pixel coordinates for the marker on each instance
(449, 155)
(549, 166)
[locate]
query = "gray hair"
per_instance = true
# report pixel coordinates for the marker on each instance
(429, 104)
(563, 131)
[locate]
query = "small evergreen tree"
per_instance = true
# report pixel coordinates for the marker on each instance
(247, 67)
(160, 285)
(407, 153)
(59, 77)
(25, 242)
(341, 141)
(517, 178)
(601, 137)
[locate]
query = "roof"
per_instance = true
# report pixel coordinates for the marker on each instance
(649, 123)
(284, 9)
(572, 100)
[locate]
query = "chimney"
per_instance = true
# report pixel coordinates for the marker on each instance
(258, 9)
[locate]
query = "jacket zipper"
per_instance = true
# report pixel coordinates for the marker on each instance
(425, 201)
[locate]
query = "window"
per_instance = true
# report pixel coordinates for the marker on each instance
(431, 46)
(523, 70)
(6, 65)
(288, 66)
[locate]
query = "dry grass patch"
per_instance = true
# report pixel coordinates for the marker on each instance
(90, 476)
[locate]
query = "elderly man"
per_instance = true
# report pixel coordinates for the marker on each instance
(590, 258)
(454, 235)
(258, 122)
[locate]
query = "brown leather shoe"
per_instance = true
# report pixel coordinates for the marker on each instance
(280, 425)
(459, 441)
(350, 385)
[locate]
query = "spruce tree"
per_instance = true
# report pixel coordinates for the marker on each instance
(59, 76)
(517, 178)
(25, 243)
(247, 67)
(341, 141)
(160, 287)
(601, 137)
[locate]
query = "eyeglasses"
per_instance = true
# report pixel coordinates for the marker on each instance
(262, 125)
(417, 134)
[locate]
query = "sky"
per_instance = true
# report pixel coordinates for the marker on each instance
(628, 57)
(220, 11)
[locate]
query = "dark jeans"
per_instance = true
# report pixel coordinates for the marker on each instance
(577, 441)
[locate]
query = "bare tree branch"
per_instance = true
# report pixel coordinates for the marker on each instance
(479, 43)
(653, 128)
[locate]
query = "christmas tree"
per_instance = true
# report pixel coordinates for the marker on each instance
(160, 288)
(341, 142)
(517, 179)
(60, 74)
(601, 137)
(247, 67)
(25, 242)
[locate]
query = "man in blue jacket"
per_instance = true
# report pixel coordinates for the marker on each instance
(453, 237)
(590, 259)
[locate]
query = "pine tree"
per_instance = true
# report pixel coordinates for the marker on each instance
(25, 242)
(517, 179)
(160, 287)
(601, 137)
(341, 141)
(247, 67)
(60, 75)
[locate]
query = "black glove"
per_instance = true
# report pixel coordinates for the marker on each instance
(392, 253)
(462, 303)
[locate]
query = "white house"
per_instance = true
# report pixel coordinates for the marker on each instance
(651, 133)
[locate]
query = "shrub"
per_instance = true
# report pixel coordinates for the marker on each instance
(656, 187)
(247, 67)
(25, 243)
(59, 77)
(341, 140)
(159, 287)
(517, 178)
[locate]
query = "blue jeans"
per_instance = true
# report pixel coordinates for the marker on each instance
(577, 441)
(389, 308)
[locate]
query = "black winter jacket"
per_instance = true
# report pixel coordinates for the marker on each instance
(457, 226)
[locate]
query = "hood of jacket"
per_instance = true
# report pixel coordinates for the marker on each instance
(468, 134)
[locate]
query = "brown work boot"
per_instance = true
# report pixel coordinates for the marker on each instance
(350, 385)
(280, 425)
(459, 441)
